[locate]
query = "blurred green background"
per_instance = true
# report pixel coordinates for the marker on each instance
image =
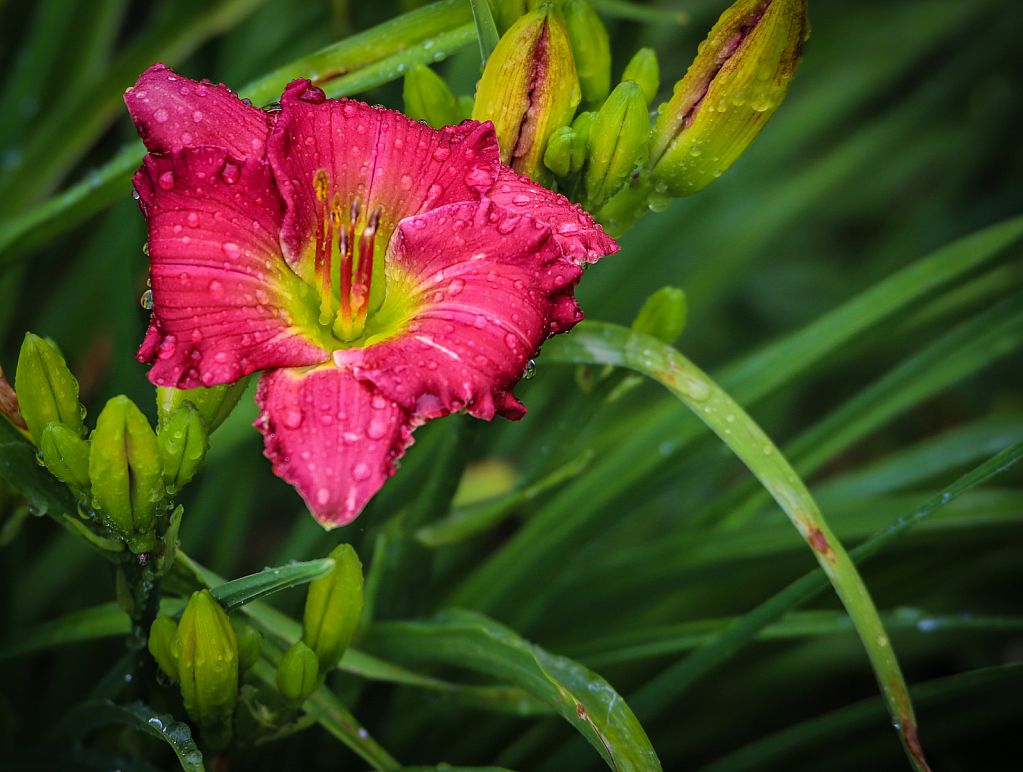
(900, 135)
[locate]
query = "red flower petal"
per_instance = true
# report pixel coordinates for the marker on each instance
(494, 287)
(222, 294)
(582, 240)
(333, 437)
(172, 112)
(371, 154)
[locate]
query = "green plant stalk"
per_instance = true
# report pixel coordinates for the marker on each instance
(621, 347)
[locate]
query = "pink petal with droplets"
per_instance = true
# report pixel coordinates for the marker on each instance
(333, 437)
(493, 287)
(371, 154)
(582, 240)
(223, 298)
(172, 112)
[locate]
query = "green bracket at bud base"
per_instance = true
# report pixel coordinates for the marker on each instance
(619, 137)
(183, 444)
(66, 455)
(127, 474)
(644, 71)
(663, 315)
(428, 98)
(206, 651)
(214, 403)
(297, 673)
(566, 152)
(735, 84)
(47, 391)
(529, 89)
(590, 48)
(332, 608)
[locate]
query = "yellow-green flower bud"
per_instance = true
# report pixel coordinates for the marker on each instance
(250, 643)
(126, 473)
(619, 138)
(428, 98)
(332, 608)
(183, 444)
(529, 89)
(566, 152)
(161, 636)
(214, 403)
(66, 455)
(644, 71)
(663, 315)
(591, 50)
(297, 673)
(735, 84)
(207, 655)
(47, 392)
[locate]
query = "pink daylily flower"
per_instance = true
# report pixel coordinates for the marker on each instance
(379, 272)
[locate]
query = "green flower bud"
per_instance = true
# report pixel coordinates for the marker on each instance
(507, 12)
(250, 643)
(183, 444)
(161, 635)
(618, 142)
(590, 48)
(66, 455)
(207, 655)
(663, 315)
(643, 70)
(297, 673)
(214, 403)
(47, 392)
(581, 124)
(529, 89)
(332, 608)
(428, 98)
(735, 84)
(566, 152)
(126, 473)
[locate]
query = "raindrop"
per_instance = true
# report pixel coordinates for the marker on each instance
(147, 300)
(231, 250)
(293, 419)
(145, 249)
(166, 180)
(456, 286)
(360, 472)
(530, 370)
(160, 116)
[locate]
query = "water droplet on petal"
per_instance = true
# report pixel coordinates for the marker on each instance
(166, 180)
(193, 220)
(216, 288)
(230, 173)
(160, 115)
(231, 250)
(292, 419)
(147, 300)
(530, 370)
(456, 286)
(360, 472)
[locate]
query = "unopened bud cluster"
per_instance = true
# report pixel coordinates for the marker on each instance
(124, 472)
(331, 616)
(206, 653)
(553, 57)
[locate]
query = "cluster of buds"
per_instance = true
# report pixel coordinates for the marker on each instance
(555, 57)
(332, 611)
(124, 473)
(206, 653)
